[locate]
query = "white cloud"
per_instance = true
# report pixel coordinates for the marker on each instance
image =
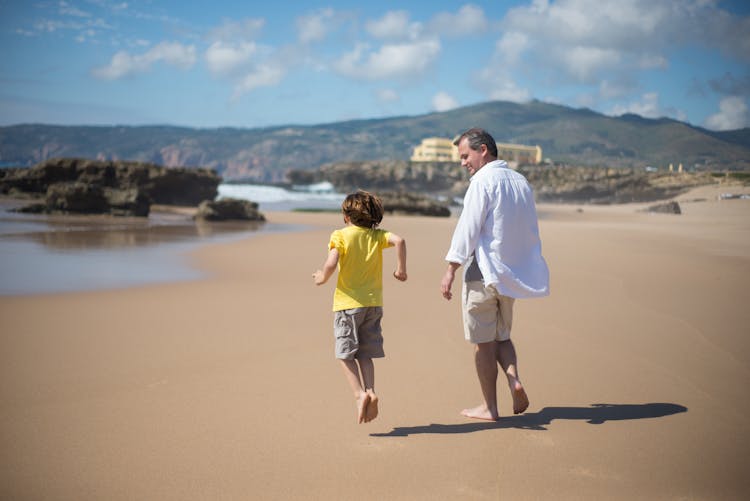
(609, 89)
(500, 86)
(247, 65)
(586, 63)
(511, 46)
(124, 64)
(469, 20)
(237, 32)
(733, 114)
(648, 106)
(314, 27)
(394, 25)
(585, 41)
(405, 60)
(264, 75)
(66, 9)
(224, 59)
(443, 101)
(387, 96)
(509, 91)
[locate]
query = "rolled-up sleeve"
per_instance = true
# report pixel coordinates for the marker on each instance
(469, 226)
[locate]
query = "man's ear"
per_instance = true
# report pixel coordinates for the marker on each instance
(483, 150)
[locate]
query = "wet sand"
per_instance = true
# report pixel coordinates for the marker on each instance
(226, 387)
(53, 253)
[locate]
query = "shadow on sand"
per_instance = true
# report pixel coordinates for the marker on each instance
(596, 414)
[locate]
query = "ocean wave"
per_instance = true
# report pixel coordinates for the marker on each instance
(319, 195)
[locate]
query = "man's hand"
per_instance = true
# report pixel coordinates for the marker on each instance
(447, 282)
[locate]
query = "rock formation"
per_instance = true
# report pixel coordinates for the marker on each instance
(552, 183)
(665, 208)
(114, 187)
(413, 204)
(228, 209)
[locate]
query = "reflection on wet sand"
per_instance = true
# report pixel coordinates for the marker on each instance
(52, 253)
(118, 237)
(69, 233)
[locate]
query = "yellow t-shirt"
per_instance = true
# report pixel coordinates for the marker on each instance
(360, 279)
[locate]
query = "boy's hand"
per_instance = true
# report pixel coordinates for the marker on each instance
(400, 275)
(319, 277)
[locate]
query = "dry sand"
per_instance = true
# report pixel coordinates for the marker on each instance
(226, 388)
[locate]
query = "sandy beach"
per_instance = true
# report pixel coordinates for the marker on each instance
(225, 387)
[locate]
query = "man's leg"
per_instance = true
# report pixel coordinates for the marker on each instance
(506, 357)
(485, 359)
(351, 371)
(368, 379)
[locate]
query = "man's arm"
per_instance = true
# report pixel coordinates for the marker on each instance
(322, 276)
(469, 226)
(447, 282)
(400, 244)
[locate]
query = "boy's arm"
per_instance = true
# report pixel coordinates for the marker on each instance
(400, 244)
(321, 276)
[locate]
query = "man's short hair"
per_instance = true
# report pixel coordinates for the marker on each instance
(477, 137)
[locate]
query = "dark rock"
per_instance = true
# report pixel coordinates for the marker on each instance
(114, 187)
(76, 197)
(412, 203)
(387, 175)
(228, 209)
(129, 202)
(179, 186)
(665, 208)
(83, 198)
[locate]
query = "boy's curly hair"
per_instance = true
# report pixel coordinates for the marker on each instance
(363, 209)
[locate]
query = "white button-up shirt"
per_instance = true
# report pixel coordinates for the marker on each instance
(499, 226)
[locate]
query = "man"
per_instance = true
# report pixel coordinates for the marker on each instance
(497, 240)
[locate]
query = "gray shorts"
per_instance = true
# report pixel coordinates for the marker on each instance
(488, 316)
(358, 333)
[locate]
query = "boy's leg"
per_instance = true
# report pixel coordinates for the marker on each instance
(351, 371)
(368, 378)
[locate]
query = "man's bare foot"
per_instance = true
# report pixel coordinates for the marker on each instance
(520, 399)
(480, 412)
(362, 403)
(372, 407)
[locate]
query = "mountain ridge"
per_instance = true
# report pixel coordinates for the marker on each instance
(573, 136)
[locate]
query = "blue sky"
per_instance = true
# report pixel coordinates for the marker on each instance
(256, 64)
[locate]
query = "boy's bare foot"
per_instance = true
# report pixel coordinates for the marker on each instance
(362, 403)
(372, 407)
(480, 412)
(520, 399)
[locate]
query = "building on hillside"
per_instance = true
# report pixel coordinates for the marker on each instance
(435, 149)
(519, 153)
(439, 149)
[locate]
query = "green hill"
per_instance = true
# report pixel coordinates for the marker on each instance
(566, 135)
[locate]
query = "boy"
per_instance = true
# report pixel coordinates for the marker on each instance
(357, 250)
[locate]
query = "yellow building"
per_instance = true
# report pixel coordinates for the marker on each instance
(435, 149)
(439, 149)
(520, 154)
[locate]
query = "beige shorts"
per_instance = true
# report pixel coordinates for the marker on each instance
(358, 333)
(488, 316)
